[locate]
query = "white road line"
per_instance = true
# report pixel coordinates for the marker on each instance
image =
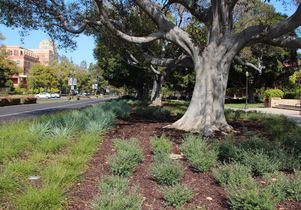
(24, 112)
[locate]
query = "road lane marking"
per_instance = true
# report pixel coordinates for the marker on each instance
(43, 109)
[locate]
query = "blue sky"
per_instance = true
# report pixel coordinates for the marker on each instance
(85, 44)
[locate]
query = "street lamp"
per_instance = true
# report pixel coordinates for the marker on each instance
(247, 84)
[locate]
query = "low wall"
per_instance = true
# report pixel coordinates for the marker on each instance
(289, 102)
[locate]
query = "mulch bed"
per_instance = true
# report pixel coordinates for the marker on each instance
(207, 194)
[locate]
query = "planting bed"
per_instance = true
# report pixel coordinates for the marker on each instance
(207, 193)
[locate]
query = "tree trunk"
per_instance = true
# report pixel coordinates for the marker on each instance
(205, 113)
(156, 96)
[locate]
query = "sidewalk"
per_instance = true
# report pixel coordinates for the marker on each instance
(290, 114)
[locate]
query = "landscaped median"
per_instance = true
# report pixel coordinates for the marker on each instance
(41, 159)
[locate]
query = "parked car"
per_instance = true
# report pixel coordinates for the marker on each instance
(55, 95)
(43, 95)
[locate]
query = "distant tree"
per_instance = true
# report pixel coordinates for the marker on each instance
(7, 67)
(211, 62)
(42, 77)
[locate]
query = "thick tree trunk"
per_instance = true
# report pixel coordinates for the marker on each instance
(156, 96)
(205, 113)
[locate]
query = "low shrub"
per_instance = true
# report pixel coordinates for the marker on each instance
(160, 145)
(260, 162)
(152, 113)
(113, 185)
(166, 171)
(254, 143)
(28, 100)
(197, 151)
(8, 101)
(177, 195)
(284, 187)
(288, 161)
(270, 93)
(114, 195)
(249, 197)
(232, 173)
(128, 156)
(119, 107)
(228, 151)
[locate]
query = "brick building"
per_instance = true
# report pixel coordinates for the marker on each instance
(26, 58)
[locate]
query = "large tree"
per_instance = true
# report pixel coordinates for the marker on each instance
(211, 62)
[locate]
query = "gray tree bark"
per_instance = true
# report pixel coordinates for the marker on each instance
(156, 95)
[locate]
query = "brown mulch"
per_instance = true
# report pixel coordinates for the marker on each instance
(207, 194)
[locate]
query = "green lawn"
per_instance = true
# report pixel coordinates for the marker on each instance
(242, 106)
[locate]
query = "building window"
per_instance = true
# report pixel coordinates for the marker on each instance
(21, 52)
(9, 52)
(16, 52)
(17, 62)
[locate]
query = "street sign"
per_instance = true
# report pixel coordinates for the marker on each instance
(72, 81)
(94, 86)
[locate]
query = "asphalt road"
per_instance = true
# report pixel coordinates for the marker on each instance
(8, 113)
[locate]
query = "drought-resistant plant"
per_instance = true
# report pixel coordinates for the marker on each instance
(199, 154)
(119, 107)
(259, 162)
(114, 195)
(249, 197)
(160, 145)
(127, 157)
(166, 171)
(177, 195)
(254, 143)
(232, 173)
(153, 113)
(228, 151)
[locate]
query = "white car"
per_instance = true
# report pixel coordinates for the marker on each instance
(43, 95)
(55, 95)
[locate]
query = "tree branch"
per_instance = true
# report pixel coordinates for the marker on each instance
(285, 41)
(104, 19)
(202, 14)
(241, 62)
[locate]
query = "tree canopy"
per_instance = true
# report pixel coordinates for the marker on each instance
(231, 25)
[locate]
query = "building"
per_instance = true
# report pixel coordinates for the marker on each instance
(46, 52)
(26, 58)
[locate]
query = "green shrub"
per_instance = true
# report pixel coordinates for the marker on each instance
(200, 156)
(284, 187)
(228, 151)
(152, 113)
(119, 107)
(254, 143)
(250, 197)
(160, 145)
(260, 162)
(113, 185)
(128, 156)
(114, 195)
(270, 93)
(131, 146)
(288, 161)
(232, 173)
(166, 171)
(28, 100)
(176, 195)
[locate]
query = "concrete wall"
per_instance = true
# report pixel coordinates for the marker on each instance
(291, 102)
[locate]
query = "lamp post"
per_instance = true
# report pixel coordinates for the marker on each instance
(247, 84)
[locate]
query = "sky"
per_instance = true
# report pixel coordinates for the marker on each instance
(85, 44)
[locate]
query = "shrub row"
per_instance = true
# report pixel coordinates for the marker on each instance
(9, 101)
(167, 171)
